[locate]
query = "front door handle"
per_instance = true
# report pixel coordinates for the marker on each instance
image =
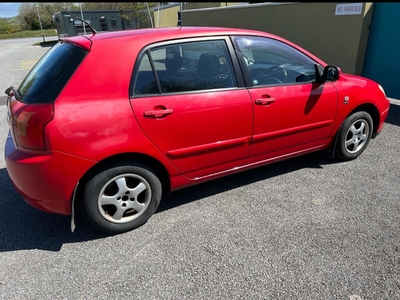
(158, 113)
(265, 101)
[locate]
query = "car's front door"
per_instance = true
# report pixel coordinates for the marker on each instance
(193, 112)
(292, 112)
(291, 119)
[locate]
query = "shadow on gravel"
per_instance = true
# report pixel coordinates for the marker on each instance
(47, 44)
(190, 194)
(394, 114)
(23, 227)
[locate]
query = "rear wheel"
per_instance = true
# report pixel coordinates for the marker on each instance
(121, 198)
(354, 136)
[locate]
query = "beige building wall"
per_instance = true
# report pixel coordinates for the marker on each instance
(166, 17)
(339, 40)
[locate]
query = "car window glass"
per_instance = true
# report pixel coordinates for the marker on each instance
(184, 67)
(47, 78)
(145, 82)
(271, 62)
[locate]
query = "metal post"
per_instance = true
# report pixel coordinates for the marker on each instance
(40, 22)
(151, 19)
(83, 24)
(180, 12)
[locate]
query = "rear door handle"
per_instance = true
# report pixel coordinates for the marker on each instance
(158, 113)
(265, 101)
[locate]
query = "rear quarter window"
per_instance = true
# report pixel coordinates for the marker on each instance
(47, 78)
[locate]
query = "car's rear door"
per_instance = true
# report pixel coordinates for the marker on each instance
(187, 101)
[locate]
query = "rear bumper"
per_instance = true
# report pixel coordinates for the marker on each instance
(46, 181)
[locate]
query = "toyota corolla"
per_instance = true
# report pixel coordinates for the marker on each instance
(111, 122)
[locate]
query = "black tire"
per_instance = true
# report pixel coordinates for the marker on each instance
(121, 198)
(354, 136)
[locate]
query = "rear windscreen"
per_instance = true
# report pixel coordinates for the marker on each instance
(50, 74)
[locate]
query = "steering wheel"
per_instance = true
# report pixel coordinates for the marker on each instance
(278, 72)
(267, 80)
(272, 75)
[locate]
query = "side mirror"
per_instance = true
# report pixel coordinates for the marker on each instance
(330, 73)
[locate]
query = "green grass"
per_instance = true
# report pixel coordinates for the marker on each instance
(29, 34)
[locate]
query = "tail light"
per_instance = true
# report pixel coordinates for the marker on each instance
(28, 122)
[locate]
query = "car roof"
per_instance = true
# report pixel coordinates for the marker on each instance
(166, 33)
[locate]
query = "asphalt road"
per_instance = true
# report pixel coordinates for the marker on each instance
(306, 228)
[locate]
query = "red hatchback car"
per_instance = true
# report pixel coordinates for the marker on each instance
(110, 122)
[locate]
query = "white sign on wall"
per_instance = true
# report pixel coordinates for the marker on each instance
(349, 9)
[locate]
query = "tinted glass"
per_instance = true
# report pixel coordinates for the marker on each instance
(271, 62)
(145, 82)
(184, 67)
(50, 74)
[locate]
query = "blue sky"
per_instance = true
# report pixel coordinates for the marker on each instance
(9, 9)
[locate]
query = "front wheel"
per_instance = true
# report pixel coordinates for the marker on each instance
(354, 136)
(121, 198)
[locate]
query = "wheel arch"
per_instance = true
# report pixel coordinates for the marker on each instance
(367, 107)
(154, 164)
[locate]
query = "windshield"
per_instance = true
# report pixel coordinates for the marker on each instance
(50, 74)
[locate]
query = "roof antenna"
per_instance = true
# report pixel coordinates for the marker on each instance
(80, 19)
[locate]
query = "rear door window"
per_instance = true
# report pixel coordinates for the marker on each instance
(182, 67)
